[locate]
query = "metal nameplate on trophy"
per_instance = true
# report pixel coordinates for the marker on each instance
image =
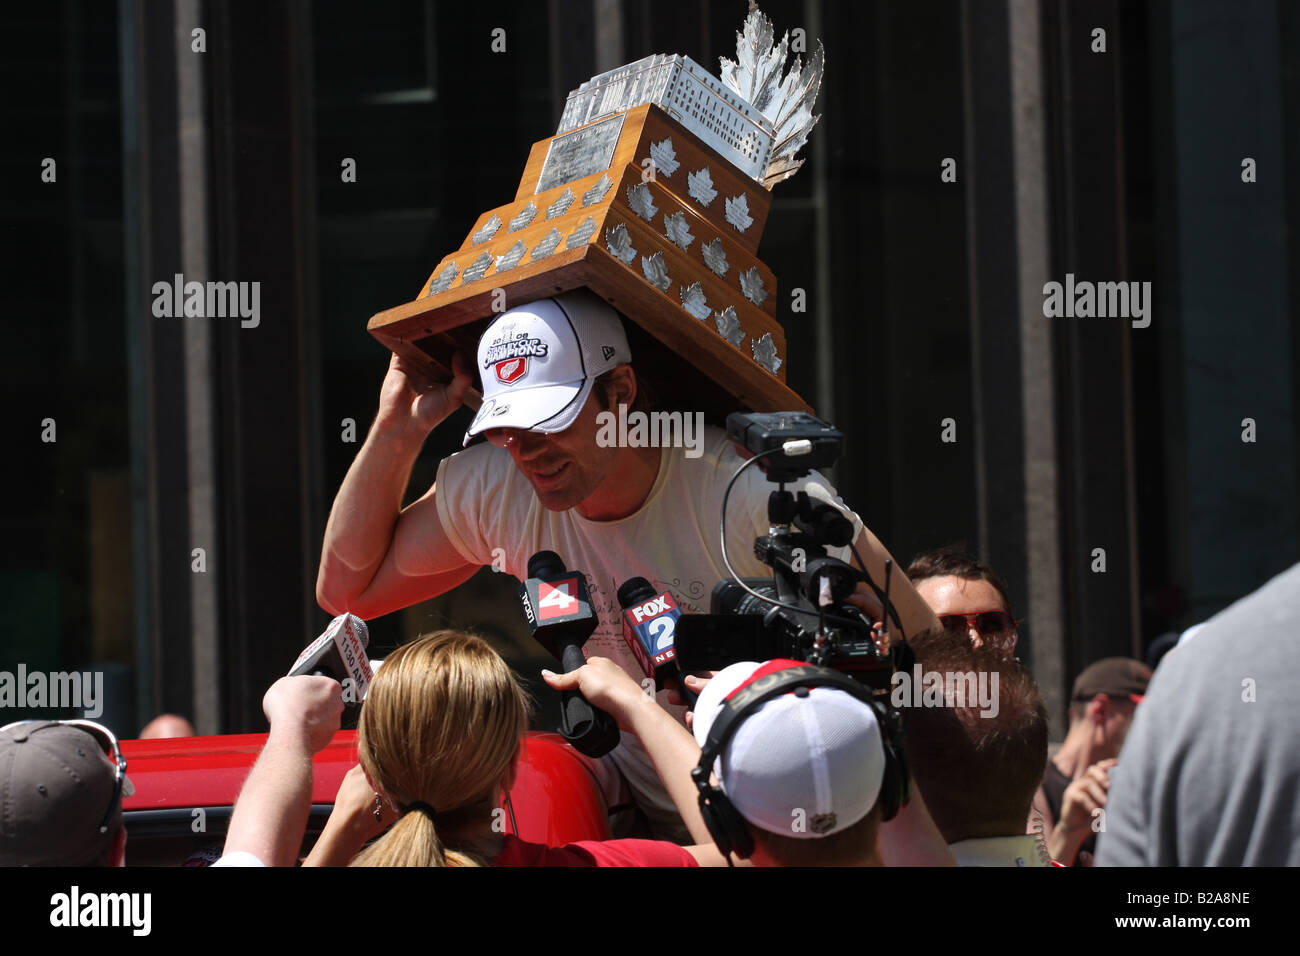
(580, 153)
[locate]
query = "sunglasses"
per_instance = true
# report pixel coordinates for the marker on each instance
(508, 438)
(501, 437)
(108, 740)
(996, 627)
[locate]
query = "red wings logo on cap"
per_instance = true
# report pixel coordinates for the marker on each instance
(511, 370)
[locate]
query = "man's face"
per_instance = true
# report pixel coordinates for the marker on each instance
(949, 595)
(1116, 721)
(564, 468)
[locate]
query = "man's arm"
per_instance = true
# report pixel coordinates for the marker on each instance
(670, 745)
(376, 556)
(911, 607)
(270, 816)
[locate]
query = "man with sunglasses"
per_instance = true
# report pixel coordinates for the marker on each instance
(61, 789)
(548, 478)
(968, 597)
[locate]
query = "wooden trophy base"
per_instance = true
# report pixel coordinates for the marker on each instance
(654, 222)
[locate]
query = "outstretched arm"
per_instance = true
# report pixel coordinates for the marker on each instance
(270, 816)
(670, 745)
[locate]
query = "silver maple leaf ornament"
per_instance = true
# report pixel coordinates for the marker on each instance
(785, 103)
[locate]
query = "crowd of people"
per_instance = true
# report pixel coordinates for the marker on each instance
(777, 762)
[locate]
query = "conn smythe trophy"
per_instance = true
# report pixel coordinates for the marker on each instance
(653, 193)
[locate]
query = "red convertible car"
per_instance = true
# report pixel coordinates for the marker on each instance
(185, 789)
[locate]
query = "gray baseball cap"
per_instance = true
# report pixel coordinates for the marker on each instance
(61, 790)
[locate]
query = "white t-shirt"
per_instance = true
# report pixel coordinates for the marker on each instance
(239, 858)
(672, 541)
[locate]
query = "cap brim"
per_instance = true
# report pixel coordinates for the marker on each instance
(543, 408)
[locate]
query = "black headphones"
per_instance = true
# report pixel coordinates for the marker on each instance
(727, 827)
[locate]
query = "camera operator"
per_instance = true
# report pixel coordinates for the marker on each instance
(543, 481)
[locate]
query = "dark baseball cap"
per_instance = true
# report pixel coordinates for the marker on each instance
(61, 790)
(1121, 677)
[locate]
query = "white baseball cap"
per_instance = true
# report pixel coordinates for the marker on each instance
(815, 758)
(538, 361)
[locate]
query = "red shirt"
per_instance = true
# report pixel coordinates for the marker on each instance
(517, 852)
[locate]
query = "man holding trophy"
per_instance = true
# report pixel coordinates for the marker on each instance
(639, 220)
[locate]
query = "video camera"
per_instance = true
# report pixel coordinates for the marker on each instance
(800, 612)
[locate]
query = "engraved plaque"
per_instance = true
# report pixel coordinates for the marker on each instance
(443, 280)
(639, 198)
(580, 153)
(547, 245)
(751, 284)
(523, 217)
(715, 256)
(738, 212)
(477, 269)
(677, 229)
(729, 325)
(597, 192)
(656, 273)
(620, 243)
(580, 235)
(511, 257)
(693, 302)
(700, 185)
(561, 205)
(488, 231)
(765, 353)
(664, 156)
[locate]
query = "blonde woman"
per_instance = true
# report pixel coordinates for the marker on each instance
(438, 742)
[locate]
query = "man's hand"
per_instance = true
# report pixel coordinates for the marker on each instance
(605, 685)
(378, 556)
(411, 401)
(306, 709)
(1079, 804)
(695, 684)
(865, 600)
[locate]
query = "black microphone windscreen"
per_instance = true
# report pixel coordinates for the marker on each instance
(545, 563)
(634, 591)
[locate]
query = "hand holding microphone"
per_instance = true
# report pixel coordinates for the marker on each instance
(340, 653)
(558, 608)
(649, 626)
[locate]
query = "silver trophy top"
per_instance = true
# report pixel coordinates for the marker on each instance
(754, 117)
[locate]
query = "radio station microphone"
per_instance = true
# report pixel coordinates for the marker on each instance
(340, 653)
(557, 605)
(649, 625)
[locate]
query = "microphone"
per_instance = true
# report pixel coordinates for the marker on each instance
(558, 608)
(340, 653)
(649, 625)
